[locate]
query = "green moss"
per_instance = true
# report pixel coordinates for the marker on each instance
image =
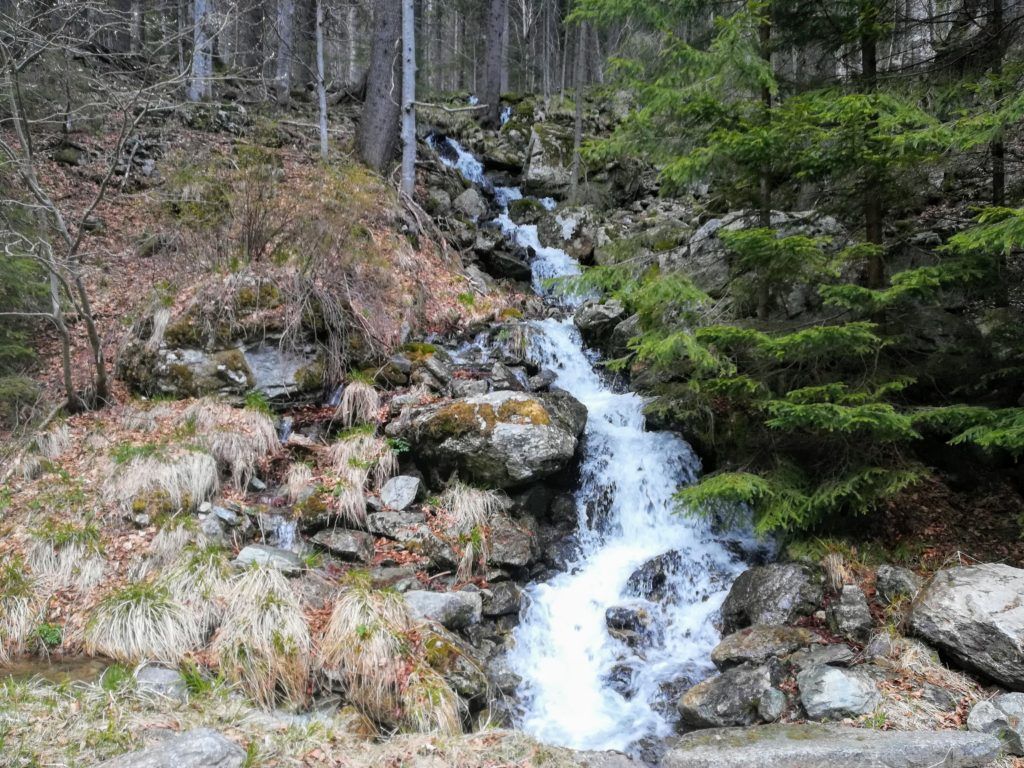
(184, 332)
(462, 417)
(263, 295)
(510, 313)
(418, 351)
(310, 377)
(523, 412)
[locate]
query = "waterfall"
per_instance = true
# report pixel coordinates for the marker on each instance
(581, 686)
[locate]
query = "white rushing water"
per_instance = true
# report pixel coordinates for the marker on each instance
(563, 651)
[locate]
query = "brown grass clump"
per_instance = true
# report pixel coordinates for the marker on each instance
(364, 450)
(263, 643)
(21, 607)
(53, 442)
(239, 439)
(298, 482)
(471, 511)
(66, 555)
(185, 478)
(199, 581)
(429, 705)
(141, 622)
(359, 404)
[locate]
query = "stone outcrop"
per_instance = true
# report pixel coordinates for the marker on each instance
(771, 594)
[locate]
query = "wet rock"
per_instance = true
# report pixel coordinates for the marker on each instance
(351, 546)
(452, 610)
(771, 594)
(502, 599)
(1003, 717)
(513, 264)
(513, 544)
(501, 674)
(400, 492)
(848, 615)
(811, 745)
(270, 557)
(596, 321)
(632, 618)
(198, 748)
(728, 699)
(501, 439)
(457, 663)
(652, 580)
(836, 655)
(976, 616)
(830, 693)
(757, 644)
(893, 583)
(541, 381)
(469, 387)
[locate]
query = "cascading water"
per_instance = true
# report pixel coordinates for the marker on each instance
(581, 686)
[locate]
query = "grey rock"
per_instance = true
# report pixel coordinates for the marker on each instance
(452, 610)
(270, 557)
(513, 544)
(831, 693)
(771, 705)
(198, 748)
(548, 157)
(458, 664)
(470, 204)
(400, 492)
(849, 616)
(400, 578)
(500, 439)
(469, 387)
(652, 580)
(1002, 716)
(975, 615)
(541, 381)
(771, 594)
(893, 582)
(502, 599)
(728, 699)
(351, 546)
(161, 681)
(632, 618)
(438, 202)
(596, 321)
(393, 524)
(811, 745)
(835, 655)
(757, 644)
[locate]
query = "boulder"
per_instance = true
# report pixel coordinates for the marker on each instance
(161, 681)
(270, 557)
(771, 594)
(893, 583)
(393, 524)
(452, 610)
(810, 745)
(728, 699)
(757, 644)
(351, 546)
(836, 655)
(651, 580)
(470, 204)
(1003, 717)
(502, 262)
(400, 492)
(596, 321)
(548, 160)
(502, 599)
(499, 440)
(975, 615)
(830, 693)
(512, 543)
(198, 748)
(457, 663)
(848, 615)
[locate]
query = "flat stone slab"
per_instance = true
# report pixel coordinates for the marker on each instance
(353, 546)
(270, 557)
(835, 746)
(198, 748)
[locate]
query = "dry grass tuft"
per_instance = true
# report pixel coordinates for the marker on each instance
(238, 438)
(470, 511)
(263, 643)
(170, 540)
(298, 482)
(349, 502)
(364, 450)
(199, 581)
(53, 442)
(185, 478)
(429, 705)
(65, 555)
(142, 622)
(21, 607)
(366, 646)
(161, 318)
(836, 571)
(359, 404)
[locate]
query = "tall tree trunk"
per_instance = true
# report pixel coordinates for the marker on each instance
(377, 134)
(998, 149)
(577, 136)
(137, 30)
(202, 56)
(764, 33)
(496, 22)
(350, 38)
(408, 98)
(285, 46)
(321, 84)
(871, 198)
(252, 35)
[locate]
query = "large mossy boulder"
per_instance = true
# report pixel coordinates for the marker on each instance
(975, 615)
(499, 440)
(548, 160)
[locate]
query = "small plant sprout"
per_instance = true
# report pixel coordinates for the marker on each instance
(141, 622)
(471, 511)
(20, 608)
(366, 645)
(67, 555)
(183, 478)
(263, 643)
(359, 404)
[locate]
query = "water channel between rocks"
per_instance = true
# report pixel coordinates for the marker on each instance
(583, 686)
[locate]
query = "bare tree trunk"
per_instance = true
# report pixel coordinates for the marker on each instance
(285, 39)
(252, 35)
(137, 30)
(408, 97)
(496, 20)
(321, 84)
(577, 137)
(200, 86)
(998, 148)
(377, 134)
(871, 199)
